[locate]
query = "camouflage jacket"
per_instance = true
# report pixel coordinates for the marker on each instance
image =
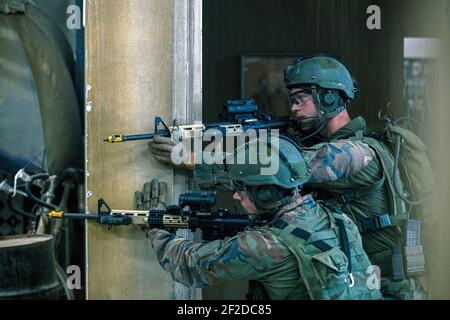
(329, 162)
(340, 166)
(256, 254)
(345, 164)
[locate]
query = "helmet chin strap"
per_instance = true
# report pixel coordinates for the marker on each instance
(321, 124)
(318, 122)
(268, 213)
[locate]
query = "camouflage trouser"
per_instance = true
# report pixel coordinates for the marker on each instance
(407, 289)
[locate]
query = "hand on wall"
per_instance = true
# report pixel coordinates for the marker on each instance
(154, 196)
(162, 148)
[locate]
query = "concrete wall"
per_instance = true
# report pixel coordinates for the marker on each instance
(129, 69)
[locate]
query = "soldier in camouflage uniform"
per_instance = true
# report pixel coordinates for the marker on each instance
(349, 164)
(298, 249)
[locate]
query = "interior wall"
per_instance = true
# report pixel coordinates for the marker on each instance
(129, 50)
(234, 27)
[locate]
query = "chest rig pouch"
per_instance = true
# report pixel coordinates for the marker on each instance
(326, 259)
(407, 259)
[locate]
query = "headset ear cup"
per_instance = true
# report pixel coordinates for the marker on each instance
(264, 194)
(329, 98)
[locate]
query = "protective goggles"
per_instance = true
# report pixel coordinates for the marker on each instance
(300, 97)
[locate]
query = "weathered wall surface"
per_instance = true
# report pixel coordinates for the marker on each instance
(129, 69)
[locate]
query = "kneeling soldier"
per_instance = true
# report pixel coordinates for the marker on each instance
(296, 248)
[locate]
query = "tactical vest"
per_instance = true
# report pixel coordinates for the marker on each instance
(332, 262)
(372, 180)
(368, 197)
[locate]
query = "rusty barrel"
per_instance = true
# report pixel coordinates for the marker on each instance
(28, 268)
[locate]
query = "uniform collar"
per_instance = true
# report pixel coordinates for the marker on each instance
(349, 129)
(307, 202)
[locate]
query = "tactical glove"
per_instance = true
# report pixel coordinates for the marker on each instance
(154, 196)
(162, 147)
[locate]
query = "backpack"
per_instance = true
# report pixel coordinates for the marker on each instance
(411, 161)
(411, 180)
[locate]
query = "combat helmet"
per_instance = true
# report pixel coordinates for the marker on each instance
(328, 79)
(270, 182)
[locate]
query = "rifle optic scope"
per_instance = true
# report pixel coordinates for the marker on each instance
(241, 106)
(198, 200)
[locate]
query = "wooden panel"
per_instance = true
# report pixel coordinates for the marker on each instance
(129, 69)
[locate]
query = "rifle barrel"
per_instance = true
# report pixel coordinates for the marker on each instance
(84, 216)
(69, 215)
(138, 137)
(118, 138)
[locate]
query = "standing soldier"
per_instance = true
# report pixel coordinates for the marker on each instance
(351, 167)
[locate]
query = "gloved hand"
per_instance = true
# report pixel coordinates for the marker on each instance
(162, 147)
(154, 196)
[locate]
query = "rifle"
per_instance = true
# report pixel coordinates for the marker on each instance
(193, 212)
(238, 117)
